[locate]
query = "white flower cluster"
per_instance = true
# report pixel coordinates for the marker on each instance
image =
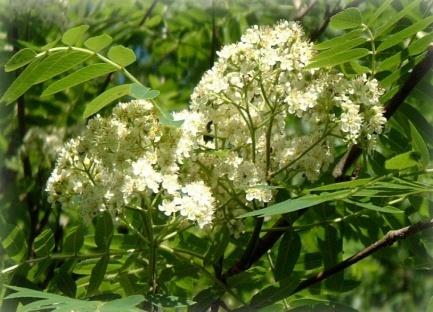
(258, 117)
(259, 113)
(44, 142)
(123, 158)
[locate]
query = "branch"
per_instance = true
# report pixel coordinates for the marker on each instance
(267, 241)
(263, 245)
(417, 74)
(305, 11)
(327, 18)
(148, 13)
(390, 238)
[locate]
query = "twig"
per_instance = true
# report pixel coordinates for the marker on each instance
(33, 209)
(148, 13)
(263, 245)
(214, 39)
(305, 11)
(327, 18)
(390, 238)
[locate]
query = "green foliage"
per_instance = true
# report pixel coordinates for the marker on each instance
(80, 76)
(121, 55)
(98, 43)
(74, 35)
(349, 18)
(20, 59)
(61, 303)
(106, 98)
(64, 75)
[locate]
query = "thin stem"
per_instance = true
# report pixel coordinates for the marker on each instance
(271, 264)
(373, 50)
(91, 53)
(135, 230)
(301, 155)
(71, 257)
(147, 214)
(390, 238)
(268, 132)
(206, 272)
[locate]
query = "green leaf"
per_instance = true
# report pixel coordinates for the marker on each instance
(297, 204)
(85, 267)
(106, 98)
(385, 5)
(272, 294)
(153, 21)
(391, 62)
(44, 243)
(74, 240)
(167, 301)
(98, 43)
(121, 55)
(74, 35)
(371, 206)
(430, 305)
(403, 161)
(339, 58)
(13, 242)
(82, 75)
(342, 185)
(418, 118)
(341, 40)
(57, 63)
(205, 298)
(419, 145)
(50, 45)
(347, 45)
(398, 37)
(65, 304)
(331, 249)
(420, 45)
(349, 18)
(20, 85)
(141, 92)
(104, 230)
(64, 282)
(288, 253)
(123, 304)
(323, 307)
(393, 19)
(97, 276)
(19, 59)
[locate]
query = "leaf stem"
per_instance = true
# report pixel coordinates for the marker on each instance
(373, 49)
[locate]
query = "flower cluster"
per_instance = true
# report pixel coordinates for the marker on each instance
(258, 117)
(43, 142)
(123, 158)
(261, 113)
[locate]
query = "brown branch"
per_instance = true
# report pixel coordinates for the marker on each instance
(33, 209)
(263, 245)
(305, 11)
(327, 18)
(148, 13)
(417, 74)
(214, 37)
(390, 238)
